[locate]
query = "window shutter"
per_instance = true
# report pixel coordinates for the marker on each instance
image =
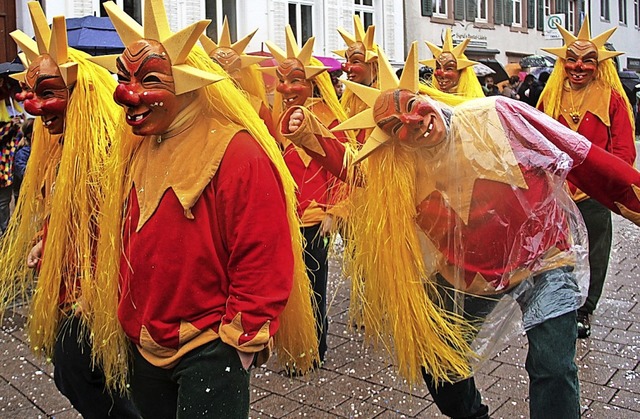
(540, 20)
(508, 12)
(531, 14)
(498, 12)
(471, 10)
(458, 9)
(427, 7)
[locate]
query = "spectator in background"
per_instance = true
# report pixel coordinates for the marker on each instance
(22, 157)
(537, 88)
(489, 88)
(337, 83)
(525, 87)
(9, 130)
(511, 89)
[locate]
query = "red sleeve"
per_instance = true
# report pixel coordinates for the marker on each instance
(265, 115)
(255, 229)
(622, 135)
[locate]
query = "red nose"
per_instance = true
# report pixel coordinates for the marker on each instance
(439, 72)
(125, 95)
(410, 119)
(34, 107)
(346, 67)
(24, 95)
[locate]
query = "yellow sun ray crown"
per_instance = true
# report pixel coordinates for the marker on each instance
(210, 46)
(51, 41)
(360, 35)
(387, 80)
(294, 52)
(585, 35)
(156, 28)
(457, 52)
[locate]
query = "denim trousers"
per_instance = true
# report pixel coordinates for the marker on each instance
(554, 391)
(208, 382)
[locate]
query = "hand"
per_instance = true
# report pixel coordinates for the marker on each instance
(295, 120)
(246, 359)
(326, 226)
(35, 255)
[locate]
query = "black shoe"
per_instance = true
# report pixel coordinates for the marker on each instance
(584, 325)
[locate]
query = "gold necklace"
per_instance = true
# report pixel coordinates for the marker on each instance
(575, 112)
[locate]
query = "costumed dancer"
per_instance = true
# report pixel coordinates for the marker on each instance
(304, 81)
(490, 227)
(243, 68)
(55, 227)
(585, 94)
(207, 276)
(453, 72)
(361, 66)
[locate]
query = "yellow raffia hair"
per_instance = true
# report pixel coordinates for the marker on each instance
(400, 307)
(350, 102)
(4, 113)
(468, 85)
(552, 93)
(296, 341)
(252, 82)
(446, 98)
(73, 177)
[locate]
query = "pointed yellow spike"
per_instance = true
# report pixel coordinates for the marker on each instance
(409, 77)
(58, 45)
(241, 45)
(69, 72)
(368, 37)
(312, 71)
(277, 53)
(435, 50)
(156, 25)
(225, 36)
(386, 75)
(21, 77)
(585, 30)
(23, 59)
(560, 52)
(447, 45)
(602, 39)
(358, 28)
(247, 60)
(26, 44)
(106, 61)
(458, 50)
(305, 53)
(348, 38)
(566, 35)
(376, 139)
(370, 56)
(180, 43)
(128, 29)
(461, 63)
(366, 93)
(40, 26)
(605, 55)
(340, 52)
(269, 70)
(361, 120)
(292, 45)
(189, 78)
(208, 44)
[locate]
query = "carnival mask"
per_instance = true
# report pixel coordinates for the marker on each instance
(229, 60)
(46, 94)
(581, 63)
(293, 84)
(447, 74)
(146, 88)
(356, 67)
(413, 120)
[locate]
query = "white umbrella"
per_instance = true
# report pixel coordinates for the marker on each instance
(482, 70)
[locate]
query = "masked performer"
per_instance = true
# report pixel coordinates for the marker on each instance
(584, 93)
(243, 68)
(208, 274)
(453, 71)
(483, 184)
(303, 81)
(76, 138)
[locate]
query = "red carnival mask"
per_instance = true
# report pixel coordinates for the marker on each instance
(229, 60)
(293, 86)
(357, 69)
(581, 63)
(46, 95)
(146, 88)
(447, 74)
(413, 120)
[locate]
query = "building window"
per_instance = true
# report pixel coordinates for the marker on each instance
(571, 16)
(517, 13)
(481, 14)
(547, 7)
(301, 20)
(636, 13)
(364, 9)
(216, 10)
(131, 7)
(440, 8)
(622, 7)
(604, 10)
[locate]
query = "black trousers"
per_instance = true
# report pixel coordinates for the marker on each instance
(82, 383)
(316, 260)
(597, 218)
(208, 382)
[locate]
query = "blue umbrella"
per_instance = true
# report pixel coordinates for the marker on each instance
(93, 35)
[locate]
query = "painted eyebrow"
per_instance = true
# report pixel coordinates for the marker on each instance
(121, 67)
(147, 58)
(42, 78)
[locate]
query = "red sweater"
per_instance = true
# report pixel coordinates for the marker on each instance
(230, 267)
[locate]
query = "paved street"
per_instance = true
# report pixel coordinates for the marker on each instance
(357, 383)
